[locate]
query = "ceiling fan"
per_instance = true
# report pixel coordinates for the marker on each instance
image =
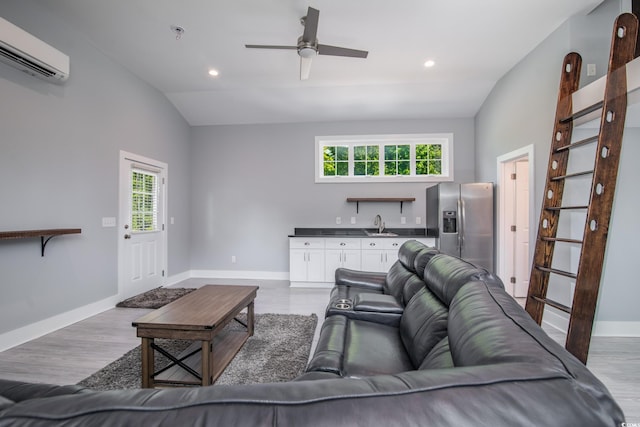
(308, 45)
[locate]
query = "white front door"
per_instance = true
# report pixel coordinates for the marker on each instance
(141, 226)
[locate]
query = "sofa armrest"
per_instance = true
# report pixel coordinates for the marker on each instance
(360, 279)
(378, 303)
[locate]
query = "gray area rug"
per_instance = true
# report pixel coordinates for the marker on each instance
(155, 298)
(278, 351)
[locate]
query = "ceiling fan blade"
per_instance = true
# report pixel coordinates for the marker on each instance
(305, 67)
(268, 46)
(324, 49)
(311, 25)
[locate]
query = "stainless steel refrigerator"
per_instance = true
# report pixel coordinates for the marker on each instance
(460, 216)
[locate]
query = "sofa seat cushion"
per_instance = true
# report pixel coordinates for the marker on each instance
(356, 348)
(5, 403)
(374, 349)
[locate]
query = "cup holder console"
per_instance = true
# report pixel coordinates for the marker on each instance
(343, 304)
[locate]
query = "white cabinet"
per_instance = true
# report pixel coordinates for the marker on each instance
(306, 260)
(314, 260)
(341, 253)
(380, 254)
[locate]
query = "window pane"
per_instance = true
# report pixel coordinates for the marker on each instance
(435, 167)
(329, 169)
(373, 152)
(422, 167)
(404, 152)
(342, 153)
(359, 152)
(144, 201)
(389, 152)
(359, 168)
(343, 168)
(373, 168)
(390, 168)
(329, 153)
(404, 167)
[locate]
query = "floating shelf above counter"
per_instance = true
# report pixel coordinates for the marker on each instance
(45, 235)
(400, 200)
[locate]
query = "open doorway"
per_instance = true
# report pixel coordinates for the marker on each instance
(515, 215)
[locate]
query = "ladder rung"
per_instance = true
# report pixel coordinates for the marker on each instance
(578, 143)
(556, 271)
(553, 304)
(561, 239)
(571, 175)
(583, 112)
(559, 208)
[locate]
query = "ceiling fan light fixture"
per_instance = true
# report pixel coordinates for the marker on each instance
(213, 72)
(307, 52)
(429, 63)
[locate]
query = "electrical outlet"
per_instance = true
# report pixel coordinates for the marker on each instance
(109, 221)
(403, 220)
(353, 220)
(233, 259)
(172, 220)
(591, 69)
(418, 220)
(338, 220)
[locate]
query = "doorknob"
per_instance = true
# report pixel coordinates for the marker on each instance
(127, 236)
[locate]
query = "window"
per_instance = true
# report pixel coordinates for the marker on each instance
(384, 158)
(144, 201)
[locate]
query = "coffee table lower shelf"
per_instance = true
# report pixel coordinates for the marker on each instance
(225, 346)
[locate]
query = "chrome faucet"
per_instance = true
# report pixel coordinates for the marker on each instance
(378, 223)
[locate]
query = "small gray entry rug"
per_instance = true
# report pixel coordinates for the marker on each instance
(278, 351)
(155, 298)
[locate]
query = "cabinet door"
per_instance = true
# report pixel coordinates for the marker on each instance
(297, 265)
(372, 260)
(333, 261)
(315, 265)
(351, 258)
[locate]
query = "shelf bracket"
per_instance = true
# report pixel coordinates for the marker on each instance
(43, 243)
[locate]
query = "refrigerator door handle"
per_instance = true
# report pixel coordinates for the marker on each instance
(461, 216)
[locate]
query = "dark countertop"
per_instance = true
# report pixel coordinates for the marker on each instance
(356, 232)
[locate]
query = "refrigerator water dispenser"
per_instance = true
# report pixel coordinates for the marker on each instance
(449, 222)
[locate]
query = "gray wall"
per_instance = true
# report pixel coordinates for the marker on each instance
(59, 154)
(520, 111)
(253, 184)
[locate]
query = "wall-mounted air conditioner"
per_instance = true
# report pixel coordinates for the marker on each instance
(31, 55)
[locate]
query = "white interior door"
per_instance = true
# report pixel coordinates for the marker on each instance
(141, 226)
(521, 243)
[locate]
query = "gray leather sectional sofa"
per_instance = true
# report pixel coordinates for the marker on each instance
(458, 351)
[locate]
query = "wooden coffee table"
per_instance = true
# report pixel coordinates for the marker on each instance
(199, 316)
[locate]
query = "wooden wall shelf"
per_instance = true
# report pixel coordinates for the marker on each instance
(45, 235)
(401, 200)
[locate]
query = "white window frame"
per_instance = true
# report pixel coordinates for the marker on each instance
(445, 139)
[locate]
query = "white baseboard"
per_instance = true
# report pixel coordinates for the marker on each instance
(238, 274)
(560, 321)
(43, 327)
(323, 285)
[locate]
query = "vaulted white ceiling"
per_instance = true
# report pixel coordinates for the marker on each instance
(473, 44)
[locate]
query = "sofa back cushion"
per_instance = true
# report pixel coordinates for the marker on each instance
(423, 325)
(411, 287)
(408, 252)
(439, 357)
(486, 326)
(422, 259)
(444, 275)
(397, 277)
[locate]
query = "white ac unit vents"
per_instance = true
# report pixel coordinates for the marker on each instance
(31, 55)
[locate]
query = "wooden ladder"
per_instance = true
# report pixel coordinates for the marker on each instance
(598, 210)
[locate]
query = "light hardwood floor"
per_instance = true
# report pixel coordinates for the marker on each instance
(70, 354)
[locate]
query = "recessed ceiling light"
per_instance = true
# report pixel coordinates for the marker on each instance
(430, 63)
(213, 73)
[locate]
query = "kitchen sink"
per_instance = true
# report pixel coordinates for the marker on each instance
(383, 234)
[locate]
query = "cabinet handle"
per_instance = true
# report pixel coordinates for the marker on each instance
(307, 243)
(343, 244)
(395, 244)
(372, 244)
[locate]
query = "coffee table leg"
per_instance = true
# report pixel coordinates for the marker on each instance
(250, 319)
(147, 363)
(207, 362)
